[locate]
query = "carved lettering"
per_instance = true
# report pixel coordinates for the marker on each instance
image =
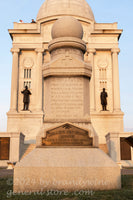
(67, 97)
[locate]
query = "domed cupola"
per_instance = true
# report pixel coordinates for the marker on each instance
(76, 8)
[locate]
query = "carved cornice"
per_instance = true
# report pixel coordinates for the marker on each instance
(67, 42)
(83, 69)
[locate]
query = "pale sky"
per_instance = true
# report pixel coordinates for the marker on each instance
(105, 11)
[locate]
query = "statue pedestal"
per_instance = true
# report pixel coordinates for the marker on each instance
(67, 169)
(67, 159)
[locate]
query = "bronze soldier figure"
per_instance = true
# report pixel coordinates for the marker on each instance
(26, 98)
(104, 96)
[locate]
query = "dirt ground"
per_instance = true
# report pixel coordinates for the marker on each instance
(127, 171)
(6, 173)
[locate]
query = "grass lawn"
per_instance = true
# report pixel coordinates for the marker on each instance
(126, 193)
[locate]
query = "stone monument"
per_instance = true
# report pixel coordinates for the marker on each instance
(67, 156)
(65, 75)
(30, 55)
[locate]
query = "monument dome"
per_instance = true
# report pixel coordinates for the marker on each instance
(65, 7)
(67, 26)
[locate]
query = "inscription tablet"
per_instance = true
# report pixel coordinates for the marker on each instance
(67, 135)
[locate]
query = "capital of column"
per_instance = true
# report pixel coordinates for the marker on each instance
(15, 50)
(93, 51)
(115, 50)
(39, 50)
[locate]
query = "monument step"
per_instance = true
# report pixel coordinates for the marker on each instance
(67, 169)
(104, 148)
(27, 149)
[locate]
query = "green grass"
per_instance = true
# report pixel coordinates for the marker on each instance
(126, 193)
(127, 182)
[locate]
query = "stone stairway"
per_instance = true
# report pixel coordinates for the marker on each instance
(104, 148)
(27, 149)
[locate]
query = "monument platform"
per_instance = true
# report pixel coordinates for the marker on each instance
(66, 168)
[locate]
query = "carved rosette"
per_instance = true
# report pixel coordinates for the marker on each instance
(28, 62)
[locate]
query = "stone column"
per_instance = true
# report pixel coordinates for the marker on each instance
(38, 86)
(14, 83)
(116, 86)
(92, 82)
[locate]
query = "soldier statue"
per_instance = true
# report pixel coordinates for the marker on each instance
(104, 96)
(26, 98)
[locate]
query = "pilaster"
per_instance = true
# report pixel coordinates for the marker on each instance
(116, 86)
(38, 95)
(14, 83)
(92, 82)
